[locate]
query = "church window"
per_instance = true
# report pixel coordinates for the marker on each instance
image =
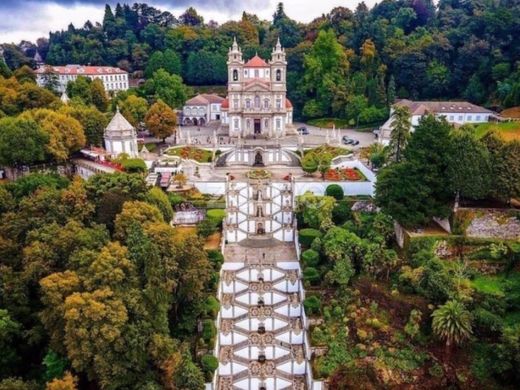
(278, 103)
(257, 101)
(266, 103)
(248, 124)
(236, 124)
(235, 103)
(278, 123)
(248, 103)
(278, 75)
(257, 73)
(266, 123)
(235, 75)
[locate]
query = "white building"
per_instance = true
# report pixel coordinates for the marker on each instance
(114, 79)
(456, 113)
(120, 137)
(256, 104)
(202, 109)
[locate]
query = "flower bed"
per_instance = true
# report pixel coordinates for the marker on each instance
(191, 153)
(334, 151)
(259, 174)
(344, 174)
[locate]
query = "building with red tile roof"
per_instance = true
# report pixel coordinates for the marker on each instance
(201, 109)
(114, 79)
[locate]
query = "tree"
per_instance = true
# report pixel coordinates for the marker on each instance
(324, 161)
(159, 199)
(80, 88)
(505, 167)
(65, 133)
(400, 134)
(92, 120)
(317, 210)
(181, 179)
(25, 75)
(418, 189)
(21, 142)
(134, 108)
(161, 120)
(9, 332)
(68, 382)
(190, 17)
(326, 67)
(98, 95)
(470, 168)
(135, 212)
(452, 323)
(167, 87)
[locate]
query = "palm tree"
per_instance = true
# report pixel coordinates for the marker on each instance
(452, 322)
(401, 124)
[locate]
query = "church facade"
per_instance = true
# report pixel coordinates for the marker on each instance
(256, 104)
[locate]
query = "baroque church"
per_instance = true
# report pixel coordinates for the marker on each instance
(256, 104)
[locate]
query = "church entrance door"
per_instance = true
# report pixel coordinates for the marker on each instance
(258, 126)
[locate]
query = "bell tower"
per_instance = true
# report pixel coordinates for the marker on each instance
(278, 67)
(235, 65)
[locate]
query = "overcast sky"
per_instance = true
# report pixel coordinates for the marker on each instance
(31, 19)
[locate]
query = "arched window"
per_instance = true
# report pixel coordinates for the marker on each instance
(278, 75)
(266, 103)
(235, 75)
(248, 103)
(257, 101)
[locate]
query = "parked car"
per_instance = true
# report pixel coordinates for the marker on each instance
(303, 130)
(349, 141)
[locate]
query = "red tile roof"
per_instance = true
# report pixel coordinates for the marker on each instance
(256, 62)
(225, 104)
(204, 99)
(80, 70)
(288, 103)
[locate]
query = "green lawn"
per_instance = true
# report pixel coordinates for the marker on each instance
(508, 130)
(497, 284)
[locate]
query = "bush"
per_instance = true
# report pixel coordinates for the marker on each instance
(486, 321)
(175, 199)
(312, 305)
(211, 306)
(159, 199)
(209, 363)
(216, 258)
(310, 258)
(311, 275)
(335, 191)
(307, 236)
(208, 330)
(341, 213)
(134, 165)
(206, 228)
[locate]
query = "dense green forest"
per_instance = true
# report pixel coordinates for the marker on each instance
(93, 279)
(352, 63)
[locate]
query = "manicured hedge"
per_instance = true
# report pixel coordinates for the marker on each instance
(307, 236)
(311, 276)
(335, 191)
(312, 305)
(208, 330)
(133, 165)
(209, 363)
(310, 258)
